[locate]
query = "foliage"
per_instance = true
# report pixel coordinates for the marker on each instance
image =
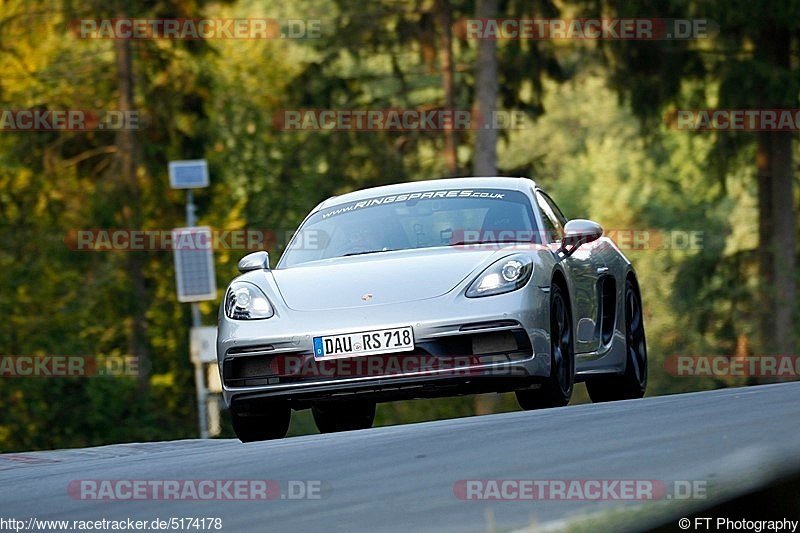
(218, 100)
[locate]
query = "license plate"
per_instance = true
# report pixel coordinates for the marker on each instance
(364, 343)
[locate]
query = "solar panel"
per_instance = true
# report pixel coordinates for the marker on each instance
(189, 174)
(194, 264)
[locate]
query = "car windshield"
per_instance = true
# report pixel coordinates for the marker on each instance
(422, 219)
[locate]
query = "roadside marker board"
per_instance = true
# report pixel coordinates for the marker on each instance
(203, 344)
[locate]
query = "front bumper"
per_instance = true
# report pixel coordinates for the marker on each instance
(272, 359)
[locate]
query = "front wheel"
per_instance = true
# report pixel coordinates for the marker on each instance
(633, 383)
(556, 390)
(273, 423)
(335, 416)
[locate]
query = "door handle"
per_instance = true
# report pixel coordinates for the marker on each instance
(602, 270)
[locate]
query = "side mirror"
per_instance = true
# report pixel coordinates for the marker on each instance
(254, 261)
(578, 232)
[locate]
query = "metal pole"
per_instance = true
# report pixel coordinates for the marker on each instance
(190, 218)
(199, 378)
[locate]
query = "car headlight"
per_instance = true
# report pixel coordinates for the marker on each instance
(245, 301)
(505, 275)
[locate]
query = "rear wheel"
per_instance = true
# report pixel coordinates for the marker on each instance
(633, 383)
(556, 390)
(343, 415)
(273, 423)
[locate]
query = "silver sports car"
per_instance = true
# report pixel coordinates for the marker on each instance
(432, 288)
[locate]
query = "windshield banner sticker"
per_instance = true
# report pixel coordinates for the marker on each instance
(428, 195)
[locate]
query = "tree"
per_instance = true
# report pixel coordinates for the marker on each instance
(94, 303)
(747, 65)
(448, 81)
(486, 89)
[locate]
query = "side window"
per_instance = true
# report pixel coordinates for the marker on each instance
(556, 211)
(552, 218)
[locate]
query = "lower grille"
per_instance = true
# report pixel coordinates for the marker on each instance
(447, 353)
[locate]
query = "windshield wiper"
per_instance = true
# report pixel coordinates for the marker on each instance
(369, 252)
(501, 241)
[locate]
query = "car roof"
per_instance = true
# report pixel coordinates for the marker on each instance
(512, 183)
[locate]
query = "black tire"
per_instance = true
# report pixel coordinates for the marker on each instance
(343, 415)
(271, 424)
(633, 383)
(556, 390)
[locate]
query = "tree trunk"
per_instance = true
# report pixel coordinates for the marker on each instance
(765, 255)
(131, 210)
(783, 224)
(485, 157)
(486, 89)
(777, 219)
(446, 60)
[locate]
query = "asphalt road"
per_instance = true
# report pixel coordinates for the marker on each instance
(402, 477)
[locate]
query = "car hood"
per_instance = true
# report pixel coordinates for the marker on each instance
(377, 279)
